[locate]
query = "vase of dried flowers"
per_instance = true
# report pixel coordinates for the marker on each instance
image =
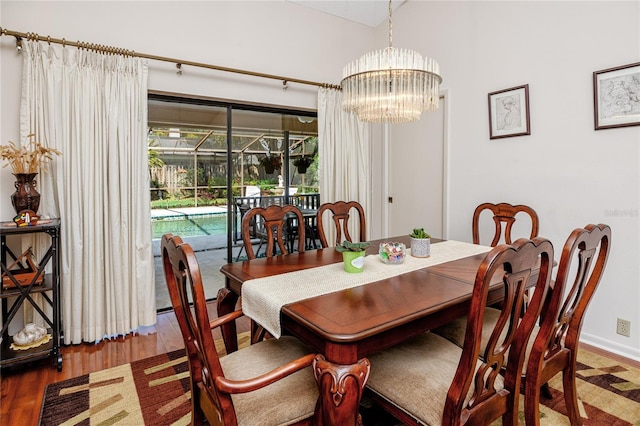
(26, 161)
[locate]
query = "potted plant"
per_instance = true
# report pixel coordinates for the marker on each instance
(302, 163)
(353, 255)
(26, 162)
(270, 163)
(420, 243)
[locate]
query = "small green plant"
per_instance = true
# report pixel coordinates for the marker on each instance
(349, 246)
(419, 233)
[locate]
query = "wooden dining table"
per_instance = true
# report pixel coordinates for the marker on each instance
(348, 325)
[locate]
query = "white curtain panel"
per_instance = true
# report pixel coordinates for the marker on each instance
(93, 108)
(344, 156)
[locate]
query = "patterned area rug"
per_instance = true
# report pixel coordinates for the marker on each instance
(155, 391)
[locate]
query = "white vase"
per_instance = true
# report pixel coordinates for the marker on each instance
(420, 247)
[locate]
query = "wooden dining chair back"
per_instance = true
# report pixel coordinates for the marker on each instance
(555, 347)
(430, 380)
(274, 223)
(340, 213)
(246, 386)
(504, 216)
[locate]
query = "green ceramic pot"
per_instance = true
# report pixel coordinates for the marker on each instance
(353, 261)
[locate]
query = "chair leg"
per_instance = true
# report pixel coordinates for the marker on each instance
(545, 391)
(571, 394)
(259, 247)
(239, 253)
(258, 332)
(532, 400)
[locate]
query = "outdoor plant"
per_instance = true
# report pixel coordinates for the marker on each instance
(27, 159)
(419, 233)
(272, 160)
(349, 246)
(303, 161)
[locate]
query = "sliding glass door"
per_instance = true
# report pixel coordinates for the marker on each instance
(207, 158)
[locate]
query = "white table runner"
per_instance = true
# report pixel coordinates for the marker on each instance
(262, 298)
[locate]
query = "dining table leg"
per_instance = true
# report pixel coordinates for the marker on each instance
(341, 388)
(226, 303)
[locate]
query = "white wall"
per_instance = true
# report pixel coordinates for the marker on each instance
(571, 174)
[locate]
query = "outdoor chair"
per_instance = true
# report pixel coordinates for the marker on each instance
(503, 214)
(340, 213)
(430, 380)
(268, 383)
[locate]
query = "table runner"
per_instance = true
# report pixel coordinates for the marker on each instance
(262, 298)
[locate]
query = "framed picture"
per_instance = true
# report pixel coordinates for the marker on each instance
(616, 97)
(509, 112)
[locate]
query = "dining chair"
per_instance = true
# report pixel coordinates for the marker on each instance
(504, 214)
(430, 380)
(553, 346)
(268, 383)
(340, 213)
(275, 225)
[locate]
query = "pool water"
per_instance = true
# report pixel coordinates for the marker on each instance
(190, 226)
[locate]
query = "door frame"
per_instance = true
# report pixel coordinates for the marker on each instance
(445, 100)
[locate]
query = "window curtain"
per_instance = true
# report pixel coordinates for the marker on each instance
(93, 108)
(344, 156)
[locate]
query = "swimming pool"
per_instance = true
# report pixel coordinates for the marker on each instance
(190, 225)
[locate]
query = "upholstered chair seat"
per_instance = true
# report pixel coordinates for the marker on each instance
(268, 383)
(429, 380)
(274, 404)
(553, 345)
(431, 359)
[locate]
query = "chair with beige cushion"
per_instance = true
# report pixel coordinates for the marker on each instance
(340, 213)
(429, 380)
(504, 214)
(268, 383)
(553, 346)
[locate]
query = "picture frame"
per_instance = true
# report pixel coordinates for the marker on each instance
(616, 97)
(509, 112)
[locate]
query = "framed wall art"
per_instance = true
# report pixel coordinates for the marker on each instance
(616, 97)
(509, 112)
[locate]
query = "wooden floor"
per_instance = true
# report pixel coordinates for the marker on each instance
(21, 390)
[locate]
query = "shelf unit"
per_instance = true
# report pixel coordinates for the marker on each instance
(15, 297)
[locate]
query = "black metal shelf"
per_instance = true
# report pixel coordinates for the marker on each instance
(10, 356)
(47, 285)
(15, 298)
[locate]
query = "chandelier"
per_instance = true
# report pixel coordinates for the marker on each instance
(391, 85)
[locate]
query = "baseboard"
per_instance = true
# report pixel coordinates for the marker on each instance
(612, 347)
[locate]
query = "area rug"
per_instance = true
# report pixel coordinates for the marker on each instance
(155, 391)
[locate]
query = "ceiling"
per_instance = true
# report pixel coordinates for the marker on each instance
(367, 12)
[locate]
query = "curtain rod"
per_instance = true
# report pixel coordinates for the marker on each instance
(179, 62)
